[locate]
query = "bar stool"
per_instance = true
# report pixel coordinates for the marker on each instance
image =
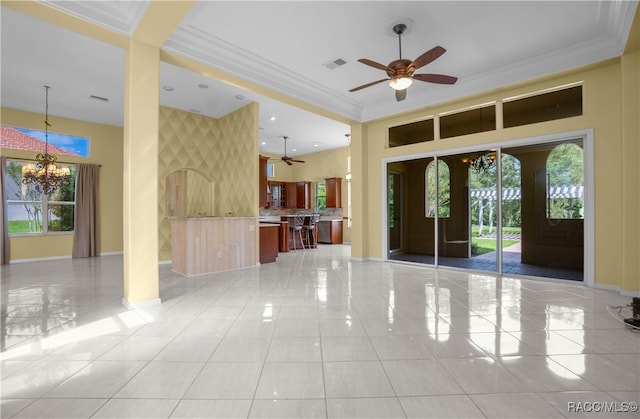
(296, 226)
(309, 229)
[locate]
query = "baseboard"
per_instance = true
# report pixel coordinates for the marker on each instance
(40, 259)
(616, 288)
(141, 304)
(112, 253)
(47, 259)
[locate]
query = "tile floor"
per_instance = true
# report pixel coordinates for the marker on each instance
(315, 334)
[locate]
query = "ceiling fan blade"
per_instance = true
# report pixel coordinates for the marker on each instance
(436, 78)
(297, 161)
(401, 94)
(427, 57)
(373, 64)
(367, 85)
(288, 162)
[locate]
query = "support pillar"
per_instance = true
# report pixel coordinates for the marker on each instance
(140, 177)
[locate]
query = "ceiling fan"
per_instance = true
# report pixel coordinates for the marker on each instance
(401, 71)
(285, 158)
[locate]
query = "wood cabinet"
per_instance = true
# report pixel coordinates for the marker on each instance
(330, 231)
(292, 195)
(334, 192)
(303, 195)
(278, 194)
(269, 242)
(263, 197)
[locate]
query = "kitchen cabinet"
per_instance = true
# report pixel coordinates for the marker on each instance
(289, 195)
(268, 242)
(334, 192)
(278, 194)
(262, 172)
(330, 231)
(292, 195)
(303, 195)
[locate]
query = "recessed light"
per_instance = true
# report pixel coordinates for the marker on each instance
(273, 118)
(293, 149)
(168, 88)
(203, 85)
(316, 144)
(264, 143)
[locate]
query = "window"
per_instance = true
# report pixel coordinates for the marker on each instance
(34, 140)
(270, 170)
(565, 181)
(31, 212)
(321, 195)
(563, 103)
(444, 190)
(471, 121)
(413, 133)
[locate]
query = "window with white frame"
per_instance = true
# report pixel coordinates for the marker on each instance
(30, 212)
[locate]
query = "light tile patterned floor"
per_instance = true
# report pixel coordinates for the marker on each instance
(315, 334)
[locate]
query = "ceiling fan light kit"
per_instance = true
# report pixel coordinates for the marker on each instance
(400, 72)
(400, 83)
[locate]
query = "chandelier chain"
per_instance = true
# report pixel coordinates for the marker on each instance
(45, 176)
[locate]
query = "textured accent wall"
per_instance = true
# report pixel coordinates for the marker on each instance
(237, 164)
(225, 150)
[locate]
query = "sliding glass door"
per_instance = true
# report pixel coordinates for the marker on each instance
(516, 210)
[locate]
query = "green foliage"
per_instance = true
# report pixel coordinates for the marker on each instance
(321, 195)
(23, 227)
(481, 246)
(565, 167)
(444, 190)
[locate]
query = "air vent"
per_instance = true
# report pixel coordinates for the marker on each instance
(104, 99)
(335, 63)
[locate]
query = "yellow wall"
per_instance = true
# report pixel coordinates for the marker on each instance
(603, 111)
(327, 164)
(224, 150)
(316, 167)
(106, 150)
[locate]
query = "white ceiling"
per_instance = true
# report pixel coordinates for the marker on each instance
(285, 46)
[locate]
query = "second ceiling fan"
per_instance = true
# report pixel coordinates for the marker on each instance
(287, 159)
(400, 72)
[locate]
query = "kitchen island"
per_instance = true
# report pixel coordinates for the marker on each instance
(201, 245)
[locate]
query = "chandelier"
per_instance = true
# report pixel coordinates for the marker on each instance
(44, 175)
(483, 163)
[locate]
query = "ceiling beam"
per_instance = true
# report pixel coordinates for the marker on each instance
(160, 20)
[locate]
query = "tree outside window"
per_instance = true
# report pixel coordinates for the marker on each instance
(443, 200)
(565, 181)
(321, 196)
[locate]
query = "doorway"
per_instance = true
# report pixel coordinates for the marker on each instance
(394, 211)
(519, 209)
